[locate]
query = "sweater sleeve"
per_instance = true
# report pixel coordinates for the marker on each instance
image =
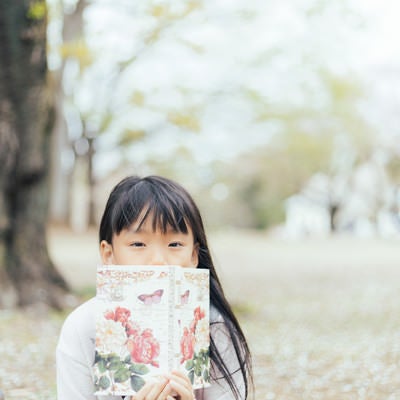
(75, 355)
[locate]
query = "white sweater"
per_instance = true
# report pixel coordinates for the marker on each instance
(76, 349)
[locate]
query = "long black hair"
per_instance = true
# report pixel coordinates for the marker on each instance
(171, 206)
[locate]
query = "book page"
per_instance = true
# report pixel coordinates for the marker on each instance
(132, 328)
(193, 325)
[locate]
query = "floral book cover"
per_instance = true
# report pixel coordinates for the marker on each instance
(150, 320)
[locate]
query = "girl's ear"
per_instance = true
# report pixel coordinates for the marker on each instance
(195, 255)
(106, 252)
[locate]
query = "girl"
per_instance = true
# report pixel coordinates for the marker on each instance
(154, 221)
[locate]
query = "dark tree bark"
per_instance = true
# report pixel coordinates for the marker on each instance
(333, 209)
(26, 118)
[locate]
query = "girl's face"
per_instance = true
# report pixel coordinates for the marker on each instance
(143, 246)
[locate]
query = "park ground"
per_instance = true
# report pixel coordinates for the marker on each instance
(322, 316)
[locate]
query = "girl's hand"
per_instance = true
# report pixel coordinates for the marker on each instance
(152, 390)
(181, 387)
(173, 386)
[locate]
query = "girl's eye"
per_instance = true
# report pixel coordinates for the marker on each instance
(175, 244)
(137, 244)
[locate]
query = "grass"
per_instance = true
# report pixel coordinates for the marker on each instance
(27, 346)
(322, 316)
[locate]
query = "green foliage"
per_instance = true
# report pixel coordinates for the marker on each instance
(79, 50)
(393, 169)
(189, 365)
(269, 175)
(261, 180)
(37, 10)
(122, 374)
(311, 138)
(264, 203)
(185, 119)
(159, 10)
(104, 382)
(130, 136)
(198, 366)
(138, 98)
(139, 369)
(298, 155)
(111, 368)
(137, 382)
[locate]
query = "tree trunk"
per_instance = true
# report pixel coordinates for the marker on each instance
(333, 211)
(26, 119)
(61, 176)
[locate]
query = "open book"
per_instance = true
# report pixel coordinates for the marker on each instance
(149, 321)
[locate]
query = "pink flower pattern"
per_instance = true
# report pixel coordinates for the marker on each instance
(142, 345)
(188, 339)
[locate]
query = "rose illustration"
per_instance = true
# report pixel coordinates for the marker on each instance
(144, 348)
(120, 314)
(187, 344)
(111, 336)
(198, 313)
(122, 351)
(195, 343)
(132, 328)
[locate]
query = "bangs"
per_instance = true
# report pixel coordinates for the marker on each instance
(143, 201)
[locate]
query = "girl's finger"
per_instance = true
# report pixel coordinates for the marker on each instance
(166, 393)
(151, 390)
(175, 374)
(181, 384)
(184, 392)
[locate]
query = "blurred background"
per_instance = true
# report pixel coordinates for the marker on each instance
(281, 119)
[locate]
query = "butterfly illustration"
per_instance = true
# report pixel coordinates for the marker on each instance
(149, 299)
(185, 297)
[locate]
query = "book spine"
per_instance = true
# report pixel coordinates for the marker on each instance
(171, 318)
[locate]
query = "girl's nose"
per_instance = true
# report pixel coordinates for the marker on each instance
(158, 257)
